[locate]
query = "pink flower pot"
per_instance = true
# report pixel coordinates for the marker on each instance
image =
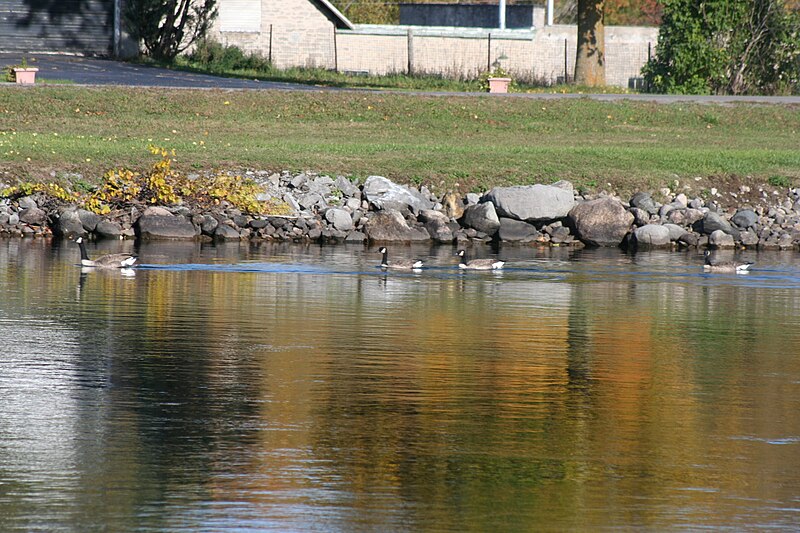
(499, 85)
(25, 75)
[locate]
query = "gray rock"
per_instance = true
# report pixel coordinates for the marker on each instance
(13, 219)
(226, 233)
(720, 239)
(107, 229)
(712, 222)
(561, 235)
(355, 236)
(387, 195)
(291, 201)
(208, 225)
(482, 217)
(601, 222)
(298, 181)
(643, 200)
(640, 216)
(531, 203)
(158, 227)
(472, 198)
(68, 223)
(26, 202)
(340, 219)
(745, 218)
(675, 231)
(257, 223)
(33, 216)
(348, 188)
(748, 238)
(512, 230)
(311, 200)
(391, 226)
(689, 239)
(651, 236)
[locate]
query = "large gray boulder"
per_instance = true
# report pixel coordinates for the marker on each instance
(643, 200)
(482, 217)
(745, 218)
(163, 227)
(107, 229)
(512, 230)
(651, 236)
(720, 239)
(390, 226)
(339, 219)
(384, 194)
(438, 225)
(224, 232)
(712, 222)
(531, 203)
(33, 216)
(601, 222)
(89, 219)
(68, 223)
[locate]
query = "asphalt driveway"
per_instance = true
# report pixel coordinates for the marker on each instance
(95, 71)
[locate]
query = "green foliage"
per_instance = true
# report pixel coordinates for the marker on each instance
(780, 181)
(496, 72)
(726, 47)
(215, 57)
(168, 27)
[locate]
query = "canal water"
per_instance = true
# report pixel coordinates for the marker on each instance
(300, 388)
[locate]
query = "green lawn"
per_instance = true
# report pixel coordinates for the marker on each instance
(454, 141)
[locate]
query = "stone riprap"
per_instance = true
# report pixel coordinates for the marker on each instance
(325, 209)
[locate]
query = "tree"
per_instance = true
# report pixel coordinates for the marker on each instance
(726, 47)
(168, 27)
(590, 61)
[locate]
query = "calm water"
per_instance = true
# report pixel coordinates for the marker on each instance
(298, 388)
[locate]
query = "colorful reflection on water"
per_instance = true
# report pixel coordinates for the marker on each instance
(288, 387)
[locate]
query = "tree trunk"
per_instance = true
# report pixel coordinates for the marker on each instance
(590, 61)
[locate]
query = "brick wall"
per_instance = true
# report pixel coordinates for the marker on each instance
(302, 35)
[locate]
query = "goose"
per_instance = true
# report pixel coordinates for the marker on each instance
(402, 264)
(478, 264)
(724, 266)
(105, 261)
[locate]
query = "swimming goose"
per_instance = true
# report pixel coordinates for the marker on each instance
(724, 266)
(402, 264)
(478, 264)
(105, 261)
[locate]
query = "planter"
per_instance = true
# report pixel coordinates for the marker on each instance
(499, 85)
(25, 75)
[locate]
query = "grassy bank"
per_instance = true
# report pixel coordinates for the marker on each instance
(460, 142)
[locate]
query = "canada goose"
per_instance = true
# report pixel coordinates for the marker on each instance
(402, 264)
(105, 261)
(724, 266)
(478, 264)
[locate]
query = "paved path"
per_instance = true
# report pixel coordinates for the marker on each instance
(94, 71)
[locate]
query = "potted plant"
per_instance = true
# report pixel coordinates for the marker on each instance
(23, 73)
(496, 81)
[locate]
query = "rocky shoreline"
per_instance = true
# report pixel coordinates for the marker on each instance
(332, 210)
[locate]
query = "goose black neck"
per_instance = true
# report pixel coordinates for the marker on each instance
(385, 260)
(82, 246)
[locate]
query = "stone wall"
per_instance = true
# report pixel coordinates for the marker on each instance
(297, 33)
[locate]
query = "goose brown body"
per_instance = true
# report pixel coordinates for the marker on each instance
(104, 261)
(724, 266)
(401, 264)
(478, 264)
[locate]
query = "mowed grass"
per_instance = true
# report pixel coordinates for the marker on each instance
(463, 142)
